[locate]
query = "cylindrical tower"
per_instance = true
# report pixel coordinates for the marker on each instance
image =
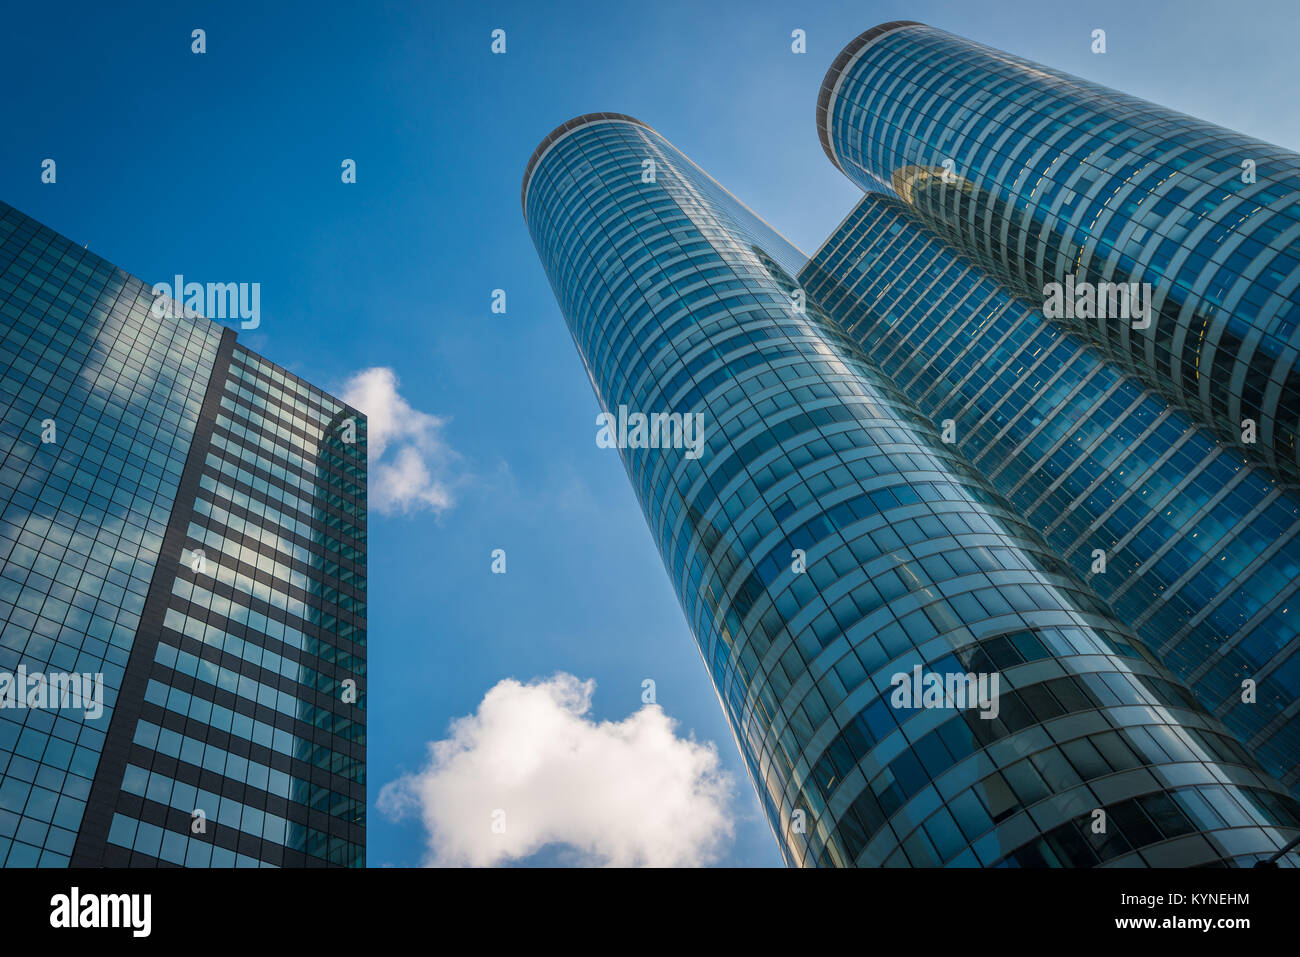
(1192, 543)
(836, 559)
(1043, 178)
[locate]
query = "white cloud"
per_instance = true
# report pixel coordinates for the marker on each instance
(416, 473)
(619, 793)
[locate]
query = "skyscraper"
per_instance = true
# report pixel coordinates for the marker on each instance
(834, 555)
(1049, 176)
(1039, 178)
(182, 524)
(1193, 543)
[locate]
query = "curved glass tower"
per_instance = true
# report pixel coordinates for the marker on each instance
(1200, 547)
(836, 559)
(1045, 176)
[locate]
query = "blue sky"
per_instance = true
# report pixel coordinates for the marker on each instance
(225, 167)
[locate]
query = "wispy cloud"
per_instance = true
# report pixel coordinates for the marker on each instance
(531, 768)
(411, 467)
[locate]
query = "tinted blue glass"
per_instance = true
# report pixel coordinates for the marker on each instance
(825, 539)
(1200, 546)
(186, 520)
(101, 402)
(1039, 175)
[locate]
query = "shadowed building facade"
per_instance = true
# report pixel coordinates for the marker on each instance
(827, 542)
(186, 520)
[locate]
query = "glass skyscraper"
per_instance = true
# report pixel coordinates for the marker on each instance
(1038, 177)
(833, 552)
(1050, 176)
(1201, 546)
(183, 522)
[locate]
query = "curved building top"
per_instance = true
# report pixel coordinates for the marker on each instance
(561, 131)
(1052, 182)
(832, 81)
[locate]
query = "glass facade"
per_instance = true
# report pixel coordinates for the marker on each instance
(1044, 175)
(191, 529)
(826, 544)
(1201, 547)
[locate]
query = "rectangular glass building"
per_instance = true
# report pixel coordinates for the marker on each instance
(182, 584)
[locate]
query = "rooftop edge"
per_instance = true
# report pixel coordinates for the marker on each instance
(854, 47)
(560, 132)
